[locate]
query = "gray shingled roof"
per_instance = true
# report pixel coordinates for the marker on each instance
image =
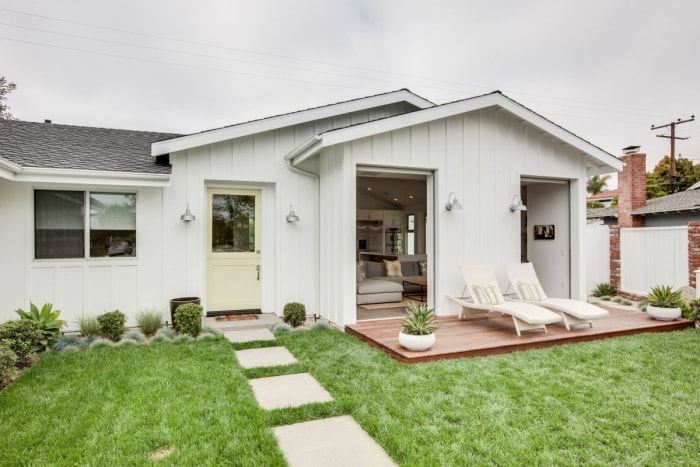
(51, 146)
(684, 201)
(598, 213)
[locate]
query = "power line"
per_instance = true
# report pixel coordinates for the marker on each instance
(673, 138)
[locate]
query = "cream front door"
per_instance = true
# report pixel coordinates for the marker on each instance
(233, 250)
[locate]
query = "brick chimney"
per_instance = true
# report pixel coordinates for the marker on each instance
(632, 189)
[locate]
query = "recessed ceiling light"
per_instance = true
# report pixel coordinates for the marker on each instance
(396, 199)
(410, 196)
(369, 188)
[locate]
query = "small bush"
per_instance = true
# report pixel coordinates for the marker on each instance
(166, 332)
(605, 298)
(8, 362)
(643, 305)
(149, 321)
(691, 310)
(604, 289)
(617, 299)
(101, 343)
(320, 326)
(47, 317)
(135, 336)
(23, 336)
(280, 328)
(125, 342)
(183, 338)
(112, 324)
(65, 341)
(212, 330)
(206, 336)
(294, 314)
(188, 319)
(158, 338)
(86, 341)
(89, 326)
(626, 302)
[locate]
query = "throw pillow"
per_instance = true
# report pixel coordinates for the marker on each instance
(423, 268)
(529, 291)
(487, 294)
(393, 268)
(359, 274)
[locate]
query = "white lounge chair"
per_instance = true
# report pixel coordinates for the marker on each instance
(485, 296)
(523, 280)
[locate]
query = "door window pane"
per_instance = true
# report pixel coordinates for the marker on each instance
(112, 224)
(59, 224)
(233, 223)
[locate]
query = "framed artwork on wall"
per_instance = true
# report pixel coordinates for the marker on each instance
(544, 232)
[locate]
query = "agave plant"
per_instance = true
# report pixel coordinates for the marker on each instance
(47, 318)
(663, 296)
(419, 320)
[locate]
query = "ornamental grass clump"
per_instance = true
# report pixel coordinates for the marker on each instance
(188, 319)
(101, 343)
(112, 324)
(149, 321)
(280, 328)
(294, 314)
(65, 341)
(89, 326)
(135, 336)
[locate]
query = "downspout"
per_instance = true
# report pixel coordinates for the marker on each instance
(289, 158)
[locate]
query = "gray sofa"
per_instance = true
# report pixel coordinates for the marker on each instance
(373, 285)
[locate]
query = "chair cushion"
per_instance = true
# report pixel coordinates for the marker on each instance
(370, 286)
(374, 269)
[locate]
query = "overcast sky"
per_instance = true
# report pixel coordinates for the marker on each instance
(604, 69)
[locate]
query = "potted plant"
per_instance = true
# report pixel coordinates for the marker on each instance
(664, 303)
(418, 331)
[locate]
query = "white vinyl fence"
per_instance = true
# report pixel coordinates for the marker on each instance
(597, 255)
(653, 256)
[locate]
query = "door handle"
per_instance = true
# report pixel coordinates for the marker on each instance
(258, 269)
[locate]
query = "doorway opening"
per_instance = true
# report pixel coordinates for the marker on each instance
(392, 241)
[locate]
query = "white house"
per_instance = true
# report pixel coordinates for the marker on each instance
(93, 218)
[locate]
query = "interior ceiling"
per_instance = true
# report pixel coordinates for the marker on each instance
(397, 189)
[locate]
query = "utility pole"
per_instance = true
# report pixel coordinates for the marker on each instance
(673, 138)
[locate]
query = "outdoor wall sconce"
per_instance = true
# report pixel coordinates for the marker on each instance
(187, 216)
(292, 217)
(452, 202)
(517, 204)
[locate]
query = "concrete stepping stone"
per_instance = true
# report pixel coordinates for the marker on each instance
(269, 356)
(276, 392)
(249, 335)
(336, 441)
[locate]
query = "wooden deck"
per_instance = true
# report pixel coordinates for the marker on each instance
(495, 334)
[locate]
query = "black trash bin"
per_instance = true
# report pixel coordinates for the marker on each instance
(176, 302)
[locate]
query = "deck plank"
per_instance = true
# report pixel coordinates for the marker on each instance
(495, 334)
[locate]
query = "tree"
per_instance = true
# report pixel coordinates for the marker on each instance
(660, 183)
(596, 183)
(6, 87)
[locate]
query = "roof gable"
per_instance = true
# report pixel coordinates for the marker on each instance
(598, 160)
(289, 119)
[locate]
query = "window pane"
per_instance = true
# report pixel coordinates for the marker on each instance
(233, 223)
(59, 224)
(112, 224)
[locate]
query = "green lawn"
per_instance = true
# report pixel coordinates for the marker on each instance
(624, 401)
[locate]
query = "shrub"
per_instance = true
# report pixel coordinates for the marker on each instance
(135, 336)
(65, 341)
(112, 324)
(294, 314)
(23, 336)
(47, 318)
(8, 362)
(280, 328)
(212, 330)
(320, 326)
(691, 310)
(604, 289)
(89, 326)
(101, 343)
(188, 319)
(166, 333)
(149, 321)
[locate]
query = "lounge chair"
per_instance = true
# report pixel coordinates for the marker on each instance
(485, 296)
(523, 280)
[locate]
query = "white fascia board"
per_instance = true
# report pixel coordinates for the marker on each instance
(305, 150)
(272, 123)
(8, 169)
(38, 175)
(343, 135)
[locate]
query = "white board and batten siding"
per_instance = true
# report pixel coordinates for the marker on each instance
(481, 156)
(653, 256)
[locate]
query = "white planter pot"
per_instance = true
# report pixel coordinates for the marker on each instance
(418, 343)
(663, 314)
